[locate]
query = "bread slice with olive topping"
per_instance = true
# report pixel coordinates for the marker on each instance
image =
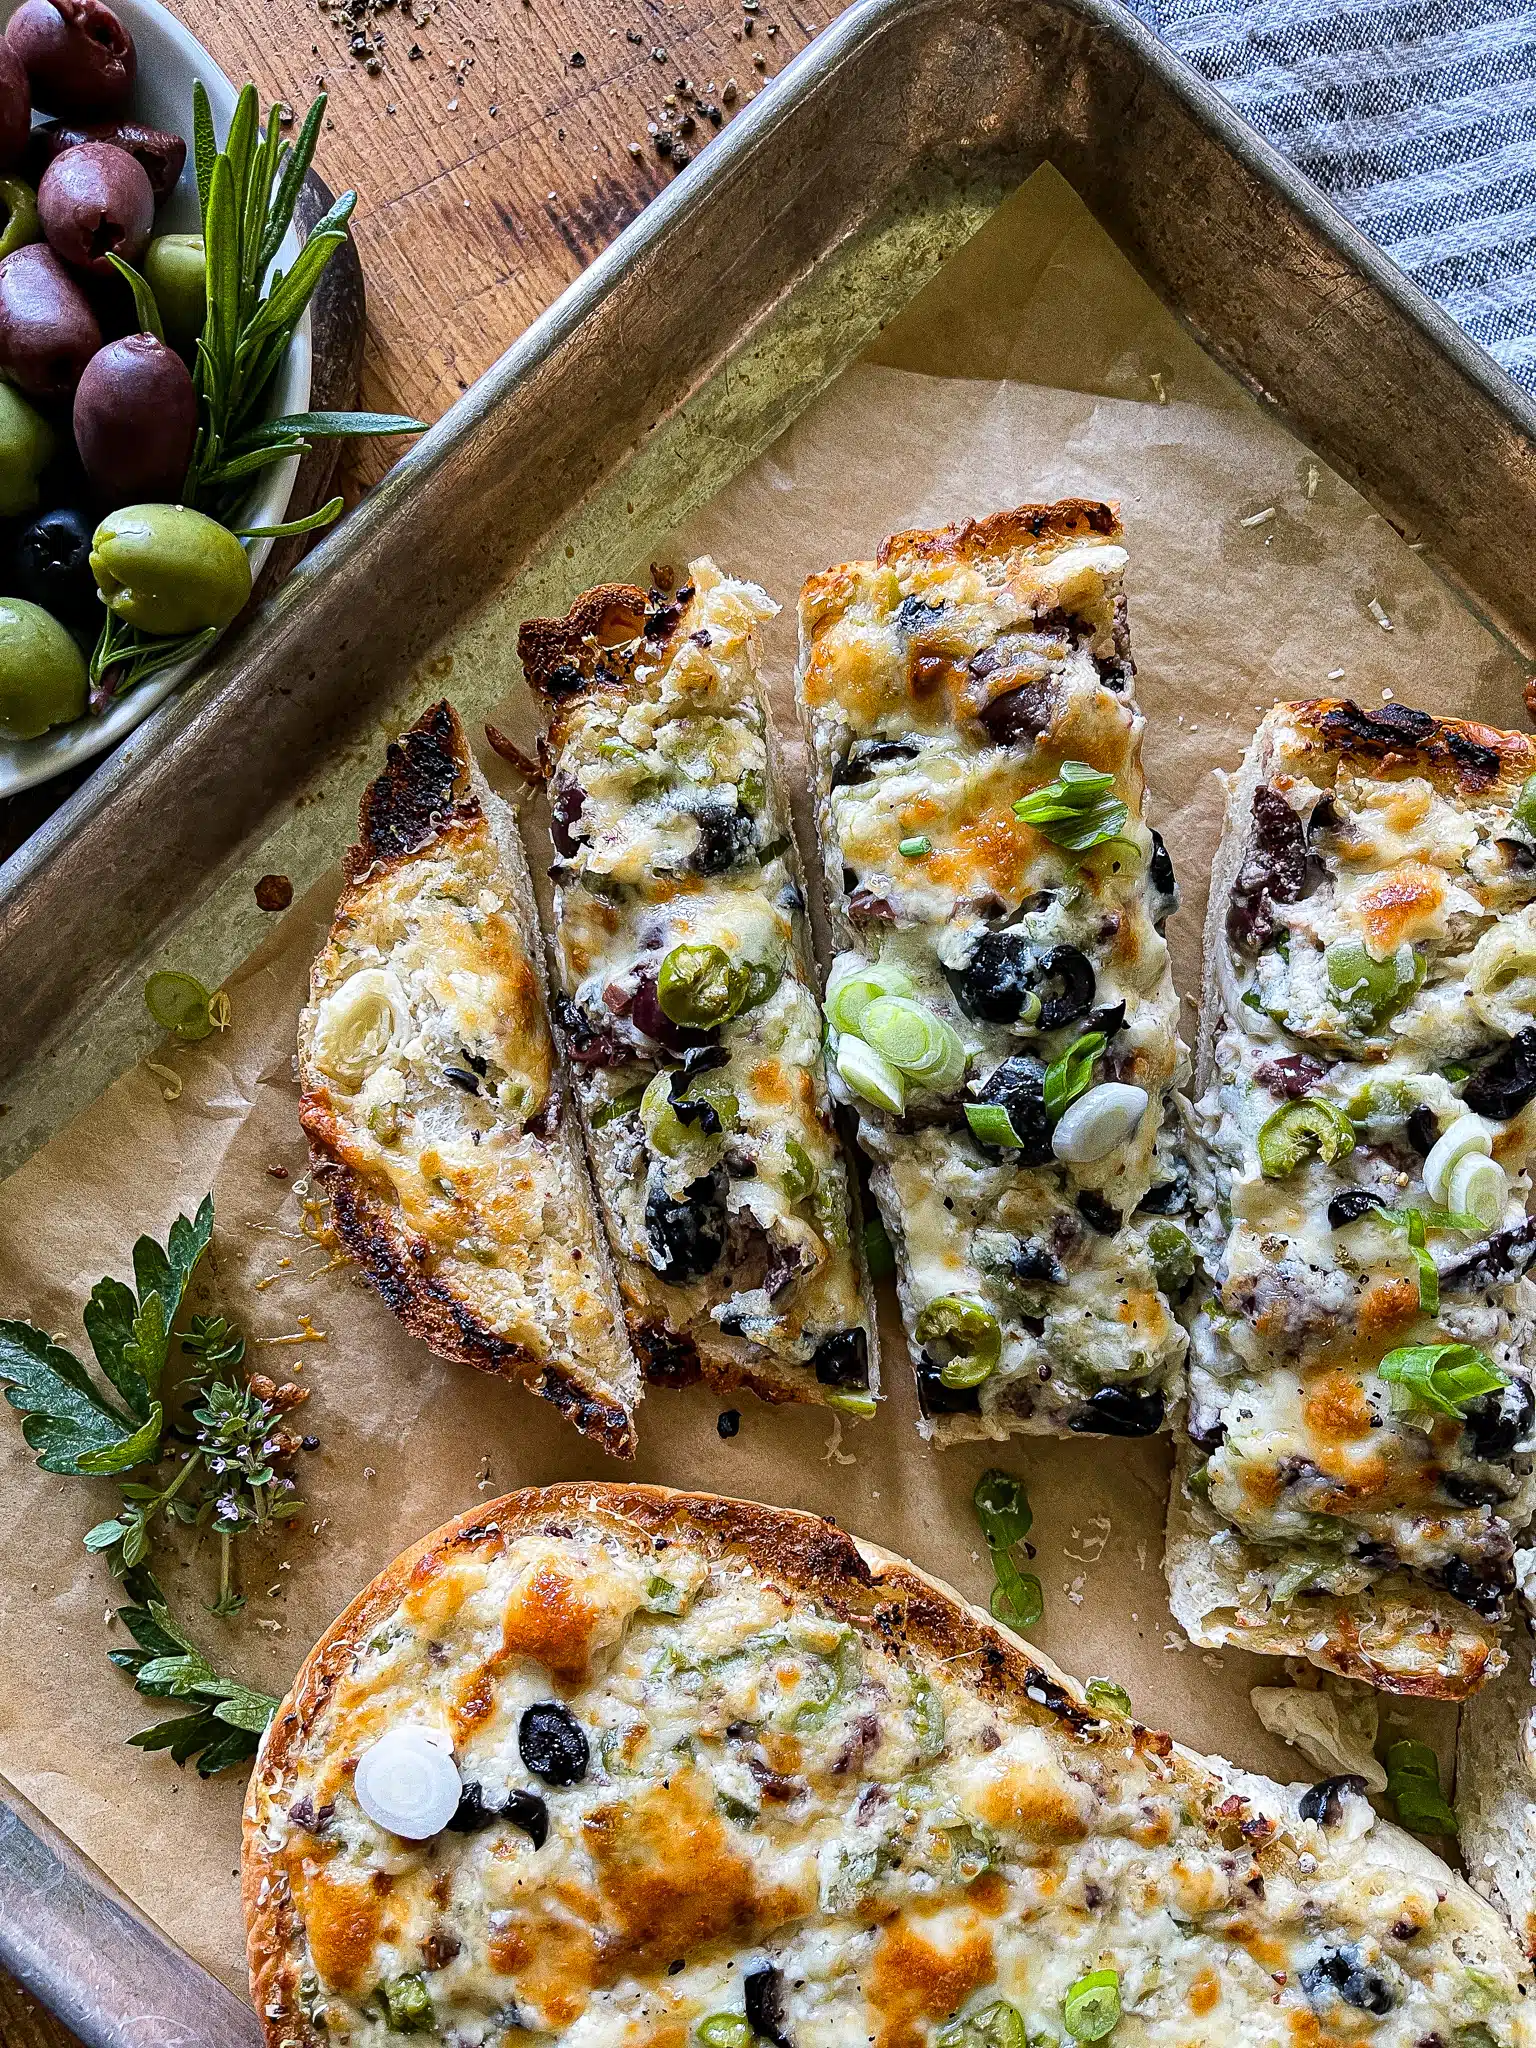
(1357, 1453)
(1003, 1010)
(685, 996)
(614, 1765)
(436, 1123)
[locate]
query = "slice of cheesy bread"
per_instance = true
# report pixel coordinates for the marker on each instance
(1357, 1453)
(725, 1775)
(1496, 1783)
(435, 1120)
(1030, 1185)
(685, 995)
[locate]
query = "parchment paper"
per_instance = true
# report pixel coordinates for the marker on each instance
(1037, 364)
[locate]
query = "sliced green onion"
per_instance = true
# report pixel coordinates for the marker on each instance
(878, 1255)
(1298, 1129)
(911, 1037)
(621, 1105)
(1067, 1077)
(179, 1003)
(992, 1124)
(1109, 1697)
(1075, 811)
(927, 1719)
(1455, 1072)
(726, 2030)
(970, 1330)
(915, 848)
(1413, 1786)
(1172, 1255)
(700, 986)
(1477, 1187)
(998, 2025)
(799, 1181)
(869, 1075)
(855, 985)
(1002, 1508)
(851, 1402)
(1444, 1377)
(1091, 2009)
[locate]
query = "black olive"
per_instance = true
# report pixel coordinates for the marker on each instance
(1168, 1197)
(647, 1015)
(1351, 1206)
(934, 1398)
(727, 836)
(1004, 968)
(461, 1077)
(699, 1059)
(1423, 1130)
(913, 613)
(553, 1744)
(589, 1044)
(1472, 1493)
(727, 1422)
(1508, 1082)
(1021, 714)
(1504, 1257)
(764, 1989)
(1324, 1801)
(566, 807)
(842, 1360)
(1162, 881)
(1109, 1020)
(1116, 672)
(1472, 753)
(1096, 1212)
(1380, 731)
(1120, 1411)
(1291, 1077)
(686, 1237)
(1033, 1261)
(525, 1810)
(563, 680)
(1274, 870)
(1498, 1421)
(1018, 1086)
(1206, 1436)
(53, 567)
(865, 756)
(1341, 1971)
(1485, 1590)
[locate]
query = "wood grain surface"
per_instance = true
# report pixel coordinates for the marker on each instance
(496, 147)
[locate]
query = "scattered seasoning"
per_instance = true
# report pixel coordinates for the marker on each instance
(278, 1172)
(578, 61)
(728, 1422)
(274, 892)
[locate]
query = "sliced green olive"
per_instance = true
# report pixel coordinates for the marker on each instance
(1297, 1131)
(1371, 989)
(970, 1331)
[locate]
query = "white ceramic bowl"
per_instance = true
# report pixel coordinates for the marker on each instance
(170, 59)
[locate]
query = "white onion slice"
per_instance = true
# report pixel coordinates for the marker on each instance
(407, 1782)
(1090, 1128)
(1468, 1134)
(1477, 1187)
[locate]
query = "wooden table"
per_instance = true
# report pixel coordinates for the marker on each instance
(496, 147)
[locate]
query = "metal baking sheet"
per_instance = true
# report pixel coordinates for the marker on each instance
(680, 354)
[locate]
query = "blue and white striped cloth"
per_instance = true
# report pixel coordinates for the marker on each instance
(1416, 117)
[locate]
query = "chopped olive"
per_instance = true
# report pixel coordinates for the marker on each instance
(686, 1237)
(913, 613)
(727, 1422)
(1162, 881)
(1120, 1411)
(1108, 1021)
(1472, 1493)
(1018, 1086)
(1503, 1258)
(842, 1360)
(1498, 1421)
(1341, 1971)
(727, 835)
(1485, 1589)
(1274, 870)
(553, 1744)
(934, 1398)
(461, 1077)
(763, 1991)
(1351, 1206)
(865, 756)
(1507, 1083)
(1008, 979)
(525, 1810)
(1324, 1801)
(1097, 1213)
(1168, 1197)
(1021, 714)
(1423, 1129)
(566, 807)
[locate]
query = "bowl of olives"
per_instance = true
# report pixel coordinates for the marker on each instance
(103, 398)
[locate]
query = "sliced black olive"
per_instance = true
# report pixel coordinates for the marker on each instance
(1095, 1211)
(1342, 1972)
(727, 1422)
(1378, 731)
(1034, 1261)
(865, 756)
(553, 1744)
(1116, 672)
(1324, 1801)
(1206, 1436)
(842, 1360)
(1004, 968)
(727, 836)
(1504, 1257)
(1162, 881)
(1065, 985)
(1484, 1589)
(1498, 1421)
(1291, 1077)
(566, 807)
(701, 1059)
(1472, 1493)
(934, 1398)
(686, 1237)
(1508, 1082)
(647, 1015)
(1021, 714)
(764, 1989)
(1274, 870)
(1120, 1411)
(913, 613)
(1018, 1086)
(564, 680)
(1351, 1206)
(1168, 1197)
(525, 1810)
(461, 1077)
(1109, 1020)
(1423, 1130)
(589, 1044)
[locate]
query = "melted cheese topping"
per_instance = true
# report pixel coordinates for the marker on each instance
(776, 1784)
(902, 665)
(680, 838)
(1334, 1481)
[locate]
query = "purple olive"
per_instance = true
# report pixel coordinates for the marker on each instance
(48, 332)
(162, 156)
(96, 201)
(135, 420)
(79, 57)
(15, 108)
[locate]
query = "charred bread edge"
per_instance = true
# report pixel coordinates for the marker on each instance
(812, 1557)
(423, 791)
(571, 649)
(1495, 1796)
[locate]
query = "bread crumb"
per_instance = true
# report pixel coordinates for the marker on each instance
(1379, 615)
(1259, 518)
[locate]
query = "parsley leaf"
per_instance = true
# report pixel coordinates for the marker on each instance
(227, 1718)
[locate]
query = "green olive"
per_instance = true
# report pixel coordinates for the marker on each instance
(168, 569)
(26, 449)
(23, 223)
(177, 269)
(43, 678)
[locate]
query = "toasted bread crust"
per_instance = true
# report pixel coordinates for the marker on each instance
(1456, 754)
(1025, 528)
(425, 798)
